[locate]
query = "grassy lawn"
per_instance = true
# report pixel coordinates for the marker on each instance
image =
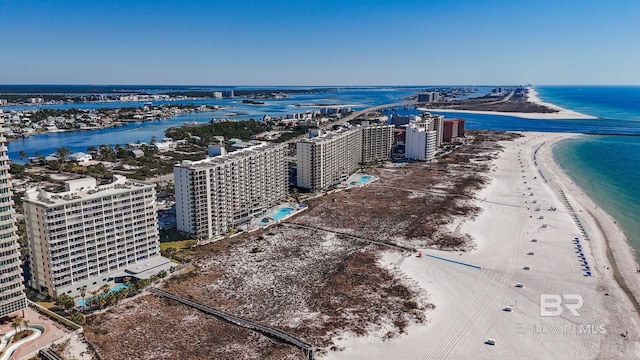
(171, 236)
(178, 245)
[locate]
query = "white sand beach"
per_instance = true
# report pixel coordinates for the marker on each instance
(517, 208)
(532, 96)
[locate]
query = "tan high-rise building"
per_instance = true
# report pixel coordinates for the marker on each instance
(215, 194)
(436, 123)
(328, 159)
(376, 142)
(90, 234)
(12, 297)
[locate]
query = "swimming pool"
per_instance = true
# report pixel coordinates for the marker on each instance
(282, 212)
(83, 302)
(364, 178)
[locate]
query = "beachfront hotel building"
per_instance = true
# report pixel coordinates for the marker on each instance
(376, 142)
(330, 158)
(90, 234)
(12, 297)
(420, 141)
(452, 129)
(435, 123)
(215, 194)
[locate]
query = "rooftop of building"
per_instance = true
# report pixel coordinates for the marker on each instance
(147, 268)
(258, 146)
(82, 190)
(325, 136)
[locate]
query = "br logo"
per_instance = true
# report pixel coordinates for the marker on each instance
(554, 305)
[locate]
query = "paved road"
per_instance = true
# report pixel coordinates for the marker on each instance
(355, 114)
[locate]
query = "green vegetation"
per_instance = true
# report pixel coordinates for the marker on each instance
(228, 129)
(176, 245)
(19, 98)
(78, 318)
(57, 317)
(42, 114)
(65, 301)
(295, 132)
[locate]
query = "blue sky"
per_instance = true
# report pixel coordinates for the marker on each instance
(322, 42)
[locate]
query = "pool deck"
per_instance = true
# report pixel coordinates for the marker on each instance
(258, 222)
(52, 332)
(354, 180)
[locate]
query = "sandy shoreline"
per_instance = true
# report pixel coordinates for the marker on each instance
(532, 96)
(469, 302)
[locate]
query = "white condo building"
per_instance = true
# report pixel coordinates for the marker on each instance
(436, 123)
(328, 159)
(420, 142)
(12, 297)
(215, 194)
(90, 234)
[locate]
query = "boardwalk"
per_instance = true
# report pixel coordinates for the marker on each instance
(49, 354)
(381, 243)
(266, 330)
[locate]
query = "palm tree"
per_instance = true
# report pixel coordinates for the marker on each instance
(16, 323)
(105, 288)
(25, 322)
(22, 155)
(296, 195)
(94, 297)
(83, 293)
(162, 274)
(102, 301)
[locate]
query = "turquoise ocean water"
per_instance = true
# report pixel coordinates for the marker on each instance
(607, 168)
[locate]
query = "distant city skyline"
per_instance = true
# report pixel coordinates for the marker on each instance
(320, 43)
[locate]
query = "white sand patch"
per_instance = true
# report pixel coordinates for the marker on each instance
(77, 348)
(532, 96)
(469, 301)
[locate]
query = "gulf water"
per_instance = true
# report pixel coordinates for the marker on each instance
(607, 168)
